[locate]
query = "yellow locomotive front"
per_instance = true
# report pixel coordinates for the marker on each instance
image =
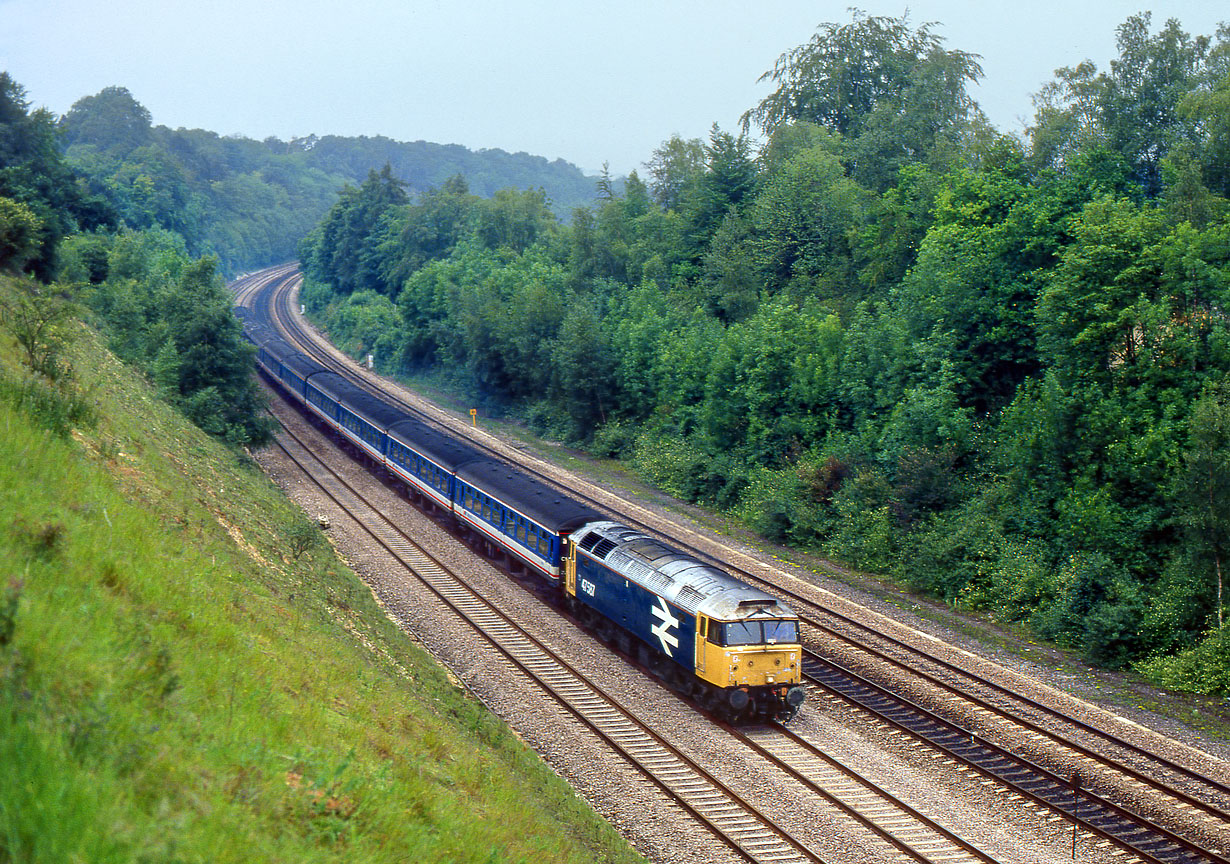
(755, 658)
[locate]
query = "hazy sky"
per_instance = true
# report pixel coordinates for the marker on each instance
(588, 82)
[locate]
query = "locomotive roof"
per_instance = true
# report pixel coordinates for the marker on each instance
(375, 411)
(553, 510)
(444, 451)
(681, 579)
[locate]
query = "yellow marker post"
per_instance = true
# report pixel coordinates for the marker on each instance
(474, 417)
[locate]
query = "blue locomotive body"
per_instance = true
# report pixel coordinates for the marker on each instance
(649, 616)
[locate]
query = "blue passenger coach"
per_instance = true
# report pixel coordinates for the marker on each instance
(426, 461)
(527, 519)
(360, 417)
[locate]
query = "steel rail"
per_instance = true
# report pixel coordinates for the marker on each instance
(1108, 820)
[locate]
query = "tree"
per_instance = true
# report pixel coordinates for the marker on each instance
(1103, 310)
(1204, 486)
(728, 183)
(214, 362)
(1207, 109)
(338, 252)
(411, 236)
(513, 220)
(1140, 101)
(804, 220)
(110, 120)
(33, 173)
(893, 92)
(19, 235)
(1133, 109)
(37, 318)
(674, 169)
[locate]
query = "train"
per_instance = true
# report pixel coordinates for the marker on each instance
(731, 647)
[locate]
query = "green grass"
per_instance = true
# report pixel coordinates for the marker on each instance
(176, 684)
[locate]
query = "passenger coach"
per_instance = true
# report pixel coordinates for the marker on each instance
(527, 519)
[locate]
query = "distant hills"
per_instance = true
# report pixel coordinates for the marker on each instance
(250, 202)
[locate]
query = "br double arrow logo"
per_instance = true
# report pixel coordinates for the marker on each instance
(667, 623)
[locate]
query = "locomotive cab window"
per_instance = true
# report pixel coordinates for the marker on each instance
(758, 632)
(781, 631)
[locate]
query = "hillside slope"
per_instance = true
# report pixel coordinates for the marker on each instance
(177, 685)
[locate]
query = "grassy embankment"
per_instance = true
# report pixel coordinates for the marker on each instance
(176, 686)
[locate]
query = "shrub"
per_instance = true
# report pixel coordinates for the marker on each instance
(56, 408)
(1203, 669)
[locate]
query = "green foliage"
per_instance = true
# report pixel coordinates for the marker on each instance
(803, 222)
(57, 407)
(19, 235)
(33, 176)
(251, 202)
(171, 317)
(675, 168)
(992, 368)
(891, 92)
(1203, 668)
(336, 252)
(1203, 487)
(1136, 108)
(39, 318)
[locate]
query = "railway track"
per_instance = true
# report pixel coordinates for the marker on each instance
(894, 831)
(1086, 803)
